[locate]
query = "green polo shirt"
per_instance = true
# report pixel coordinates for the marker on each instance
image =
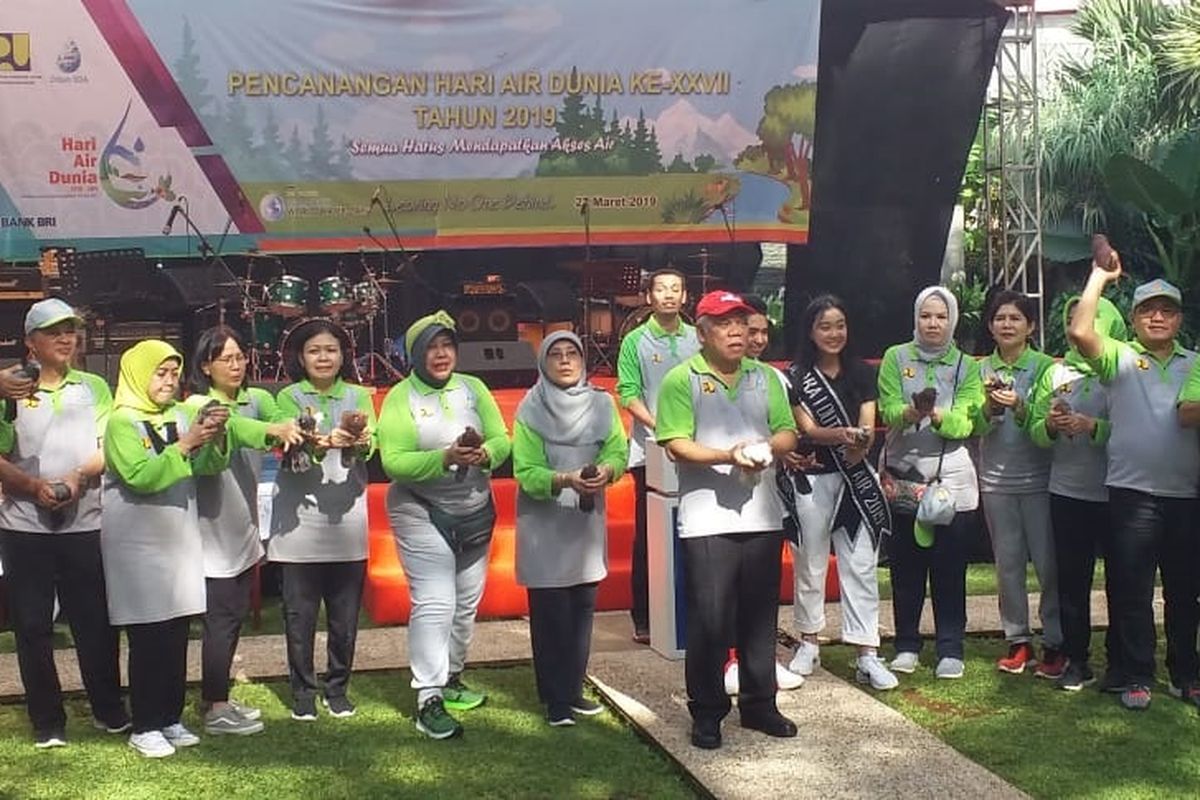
(695, 403)
(1009, 460)
(55, 431)
(647, 354)
(1148, 450)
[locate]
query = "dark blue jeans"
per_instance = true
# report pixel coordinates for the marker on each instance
(1148, 533)
(944, 567)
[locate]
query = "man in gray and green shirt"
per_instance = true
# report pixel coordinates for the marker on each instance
(1153, 468)
(724, 419)
(648, 353)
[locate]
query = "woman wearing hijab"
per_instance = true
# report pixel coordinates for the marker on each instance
(563, 426)
(441, 435)
(928, 395)
(1014, 474)
(1069, 415)
(319, 517)
(150, 534)
(227, 504)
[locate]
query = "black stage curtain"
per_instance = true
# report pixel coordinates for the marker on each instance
(901, 88)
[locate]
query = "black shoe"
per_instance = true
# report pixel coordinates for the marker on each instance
(706, 734)
(1076, 676)
(771, 723)
(560, 716)
(53, 737)
(1113, 683)
(304, 709)
(586, 708)
(119, 723)
(642, 635)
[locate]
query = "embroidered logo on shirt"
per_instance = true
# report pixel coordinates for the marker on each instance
(1142, 364)
(656, 358)
(425, 412)
(708, 387)
(33, 401)
(909, 372)
(1063, 389)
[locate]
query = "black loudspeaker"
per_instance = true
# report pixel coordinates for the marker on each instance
(500, 365)
(12, 328)
(488, 318)
(546, 301)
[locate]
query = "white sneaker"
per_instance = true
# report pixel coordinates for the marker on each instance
(949, 668)
(151, 744)
(807, 658)
(905, 662)
(787, 680)
(180, 736)
(731, 678)
(870, 669)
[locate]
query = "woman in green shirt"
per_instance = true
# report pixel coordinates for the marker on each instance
(150, 534)
(568, 446)
(228, 510)
(441, 435)
(319, 517)
(928, 396)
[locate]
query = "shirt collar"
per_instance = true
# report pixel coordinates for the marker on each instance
(1024, 361)
(424, 388)
(1176, 348)
(659, 332)
(700, 366)
(949, 357)
(336, 391)
(72, 376)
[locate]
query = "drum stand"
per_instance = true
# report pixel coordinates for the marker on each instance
(373, 357)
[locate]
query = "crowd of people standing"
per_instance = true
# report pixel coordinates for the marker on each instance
(141, 511)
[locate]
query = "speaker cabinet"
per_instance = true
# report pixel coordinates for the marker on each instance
(488, 318)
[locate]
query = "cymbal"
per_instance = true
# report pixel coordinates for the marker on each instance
(237, 283)
(709, 255)
(388, 280)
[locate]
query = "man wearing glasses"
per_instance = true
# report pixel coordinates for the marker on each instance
(50, 525)
(1153, 469)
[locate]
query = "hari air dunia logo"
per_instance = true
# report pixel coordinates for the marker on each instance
(123, 176)
(14, 52)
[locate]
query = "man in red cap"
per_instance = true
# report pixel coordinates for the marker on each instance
(724, 418)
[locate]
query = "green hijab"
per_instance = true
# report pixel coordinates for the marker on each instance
(417, 339)
(137, 368)
(1108, 323)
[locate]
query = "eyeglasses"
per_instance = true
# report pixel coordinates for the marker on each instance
(232, 360)
(1167, 312)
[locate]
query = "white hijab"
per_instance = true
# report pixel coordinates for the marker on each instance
(577, 415)
(928, 350)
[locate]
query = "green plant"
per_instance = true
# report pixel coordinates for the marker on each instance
(971, 293)
(1167, 198)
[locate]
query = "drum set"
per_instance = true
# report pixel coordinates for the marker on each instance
(271, 308)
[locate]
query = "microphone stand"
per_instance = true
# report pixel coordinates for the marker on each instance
(729, 228)
(214, 256)
(373, 357)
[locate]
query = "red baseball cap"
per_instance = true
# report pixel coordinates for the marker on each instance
(722, 302)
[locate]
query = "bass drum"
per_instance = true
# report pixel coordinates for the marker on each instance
(639, 315)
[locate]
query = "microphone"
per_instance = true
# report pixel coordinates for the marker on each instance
(175, 209)
(583, 207)
(375, 196)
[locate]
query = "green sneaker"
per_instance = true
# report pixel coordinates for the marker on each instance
(459, 697)
(434, 722)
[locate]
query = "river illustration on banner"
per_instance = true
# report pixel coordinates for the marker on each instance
(122, 175)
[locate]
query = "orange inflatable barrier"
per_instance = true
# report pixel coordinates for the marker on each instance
(386, 596)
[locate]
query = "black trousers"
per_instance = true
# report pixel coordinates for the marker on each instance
(1151, 532)
(228, 604)
(340, 585)
(1081, 532)
(732, 583)
(944, 566)
(639, 571)
(157, 672)
(560, 629)
(36, 567)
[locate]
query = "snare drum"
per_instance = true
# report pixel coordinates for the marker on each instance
(287, 296)
(366, 297)
(333, 295)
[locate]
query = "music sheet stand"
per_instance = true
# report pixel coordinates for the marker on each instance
(602, 280)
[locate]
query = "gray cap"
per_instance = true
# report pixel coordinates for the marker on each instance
(45, 313)
(1156, 288)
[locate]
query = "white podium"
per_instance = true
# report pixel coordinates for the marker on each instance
(664, 556)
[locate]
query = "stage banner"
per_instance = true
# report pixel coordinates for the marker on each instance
(294, 125)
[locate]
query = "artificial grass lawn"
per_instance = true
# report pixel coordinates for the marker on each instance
(508, 751)
(1047, 742)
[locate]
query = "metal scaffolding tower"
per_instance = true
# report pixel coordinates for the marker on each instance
(1012, 160)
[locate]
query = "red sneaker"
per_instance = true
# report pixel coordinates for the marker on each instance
(1019, 656)
(1052, 665)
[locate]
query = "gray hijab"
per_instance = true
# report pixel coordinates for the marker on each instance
(932, 352)
(577, 415)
